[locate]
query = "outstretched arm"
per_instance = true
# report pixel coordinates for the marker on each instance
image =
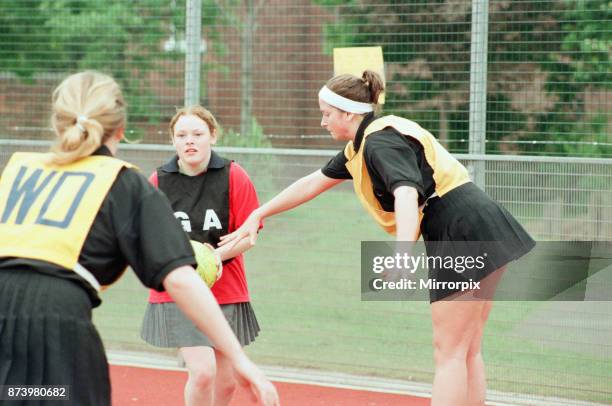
(197, 302)
(299, 192)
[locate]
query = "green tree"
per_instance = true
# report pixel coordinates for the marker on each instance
(127, 39)
(543, 58)
(64, 36)
(429, 77)
(588, 41)
(586, 48)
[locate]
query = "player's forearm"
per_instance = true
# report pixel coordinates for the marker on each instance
(196, 301)
(227, 252)
(299, 192)
(406, 213)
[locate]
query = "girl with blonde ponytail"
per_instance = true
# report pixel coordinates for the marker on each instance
(71, 222)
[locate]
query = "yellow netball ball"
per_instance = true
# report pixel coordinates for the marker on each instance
(209, 266)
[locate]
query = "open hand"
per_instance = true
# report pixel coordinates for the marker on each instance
(249, 375)
(248, 229)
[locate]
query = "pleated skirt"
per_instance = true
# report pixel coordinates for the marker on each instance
(47, 338)
(165, 325)
(466, 222)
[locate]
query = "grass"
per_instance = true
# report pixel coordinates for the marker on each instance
(304, 279)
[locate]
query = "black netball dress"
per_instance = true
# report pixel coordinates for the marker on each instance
(389, 152)
(46, 333)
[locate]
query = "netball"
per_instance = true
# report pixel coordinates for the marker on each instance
(388, 202)
(209, 266)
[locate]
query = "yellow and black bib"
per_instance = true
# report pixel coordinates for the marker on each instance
(448, 173)
(46, 211)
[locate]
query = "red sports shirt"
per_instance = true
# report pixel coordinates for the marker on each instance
(232, 287)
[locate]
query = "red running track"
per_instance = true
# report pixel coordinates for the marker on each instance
(152, 387)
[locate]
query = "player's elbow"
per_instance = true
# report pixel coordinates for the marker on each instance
(179, 279)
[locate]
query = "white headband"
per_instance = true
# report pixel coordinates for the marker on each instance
(343, 103)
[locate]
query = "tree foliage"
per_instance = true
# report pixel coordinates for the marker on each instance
(542, 59)
(127, 39)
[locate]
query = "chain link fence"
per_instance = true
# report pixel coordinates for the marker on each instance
(520, 91)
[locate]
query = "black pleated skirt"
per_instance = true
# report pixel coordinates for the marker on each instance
(47, 338)
(467, 222)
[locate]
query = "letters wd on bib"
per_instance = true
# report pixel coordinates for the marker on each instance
(46, 208)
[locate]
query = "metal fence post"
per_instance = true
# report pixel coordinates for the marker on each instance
(478, 88)
(193, 44)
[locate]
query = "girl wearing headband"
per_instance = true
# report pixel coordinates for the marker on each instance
(401, 174)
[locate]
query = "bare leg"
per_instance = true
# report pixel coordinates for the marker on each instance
(477, 381)
(225, 383)
(455, 323)
(201, 365)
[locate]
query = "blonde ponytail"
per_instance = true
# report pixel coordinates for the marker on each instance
(88, 108)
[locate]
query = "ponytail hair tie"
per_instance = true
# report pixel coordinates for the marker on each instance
(79, 122)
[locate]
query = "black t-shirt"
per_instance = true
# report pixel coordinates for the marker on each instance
(392, 160)
(135, 226)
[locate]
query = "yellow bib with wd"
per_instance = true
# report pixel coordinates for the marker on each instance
(46, 211)
(448, 173)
